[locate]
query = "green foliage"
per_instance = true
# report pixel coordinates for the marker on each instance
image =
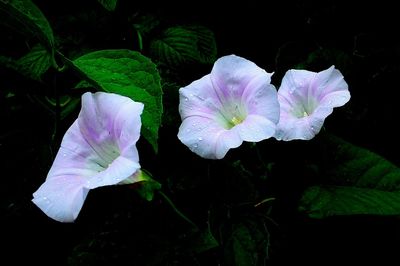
(146, 186)
(247, 245)
(32, 65)
(181, 45)
(108, 4)
(35, 63)
(358, 182)
(66, 103)
(327, 56)
(202, 241)
(130, 74)
(26, 17)
(323, 201)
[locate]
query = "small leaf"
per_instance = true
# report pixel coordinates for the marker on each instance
(358, 181)
(180, 45)
(130, 74)
(202, 241)
(35, 63)
(26, 17)
(108, 4)
(146, 186)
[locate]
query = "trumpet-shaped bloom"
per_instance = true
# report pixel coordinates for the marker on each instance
(306, 98)
(235, 103)
(99, 149)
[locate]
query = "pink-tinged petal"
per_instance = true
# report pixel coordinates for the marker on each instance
(61, 198)
(199, 98)
(109, 122)
(207, 138)
(260, 97)
(295, 86)
(335, 99)
(306, 98)
(231, 74)
(328, 81)
(255, 128)
(119, 170)
(98, 149)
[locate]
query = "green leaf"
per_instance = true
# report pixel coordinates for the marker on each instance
(358, 181)
(202, 241)
(323, 201)
(327, 56)
(26, 17)
(248, 245)
(35, 63)
(108, 4)
(146, 185)
(130, 74)
(206, 45)
(180, 45)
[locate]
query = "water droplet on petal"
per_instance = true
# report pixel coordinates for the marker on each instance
(186, 99)
(64, 154)
(200, 138)
(46, 200)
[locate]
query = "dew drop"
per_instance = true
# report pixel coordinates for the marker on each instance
(200, 138)
(64, 154)
(46, 200)
(186, 99)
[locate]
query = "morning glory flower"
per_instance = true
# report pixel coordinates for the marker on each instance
(306, 98)
(99, 149)
(232, 104)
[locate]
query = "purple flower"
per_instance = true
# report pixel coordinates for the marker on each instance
(99, 149)
(235, 103)
(306, 98)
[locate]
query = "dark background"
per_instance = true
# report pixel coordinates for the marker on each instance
(275, 35)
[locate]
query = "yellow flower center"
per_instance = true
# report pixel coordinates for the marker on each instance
(236, 121)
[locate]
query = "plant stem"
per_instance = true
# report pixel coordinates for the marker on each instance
(184, 217)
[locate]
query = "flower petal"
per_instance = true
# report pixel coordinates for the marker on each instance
(98, 149)
(207, 138)
(108, 122)
(306, 98)
(327, 82)
(61, 198)
(231, 74)
(255, 128)
(295, 86)
(260, 98)
(119, 170)
(199, 98)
